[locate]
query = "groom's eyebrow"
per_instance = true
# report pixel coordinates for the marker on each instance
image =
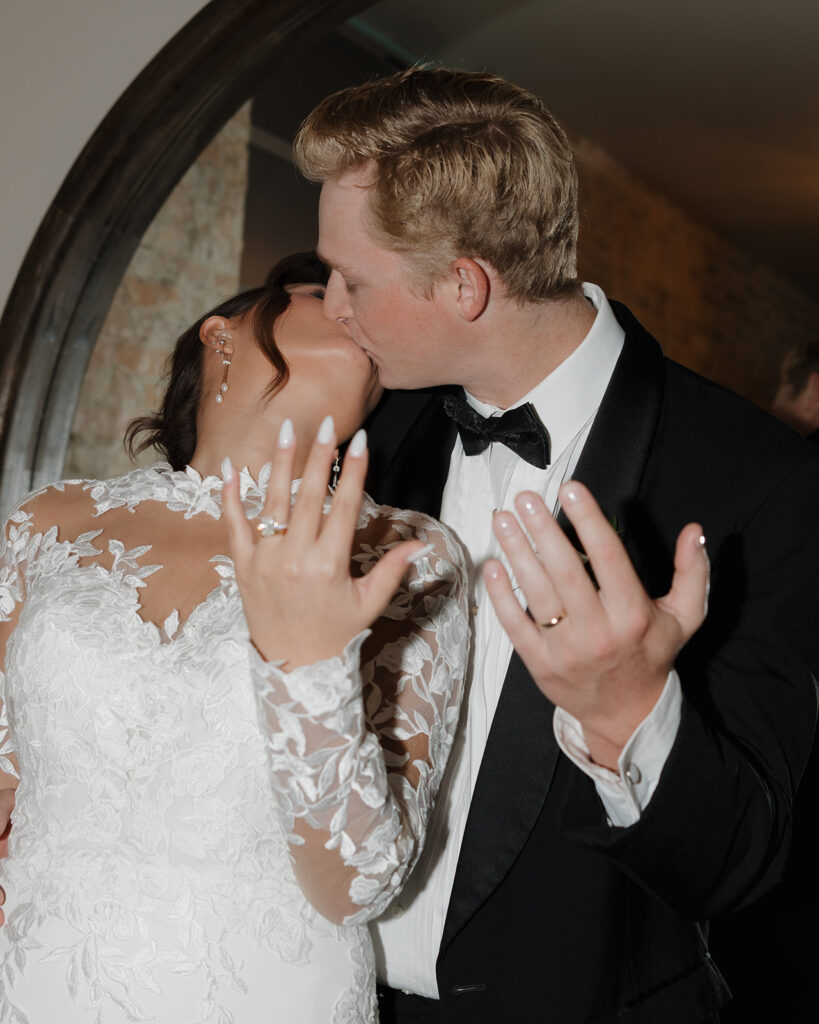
(333, 264)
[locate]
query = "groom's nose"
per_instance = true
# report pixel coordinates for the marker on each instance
(336, 300)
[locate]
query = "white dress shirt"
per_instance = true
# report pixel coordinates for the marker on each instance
(407, 938)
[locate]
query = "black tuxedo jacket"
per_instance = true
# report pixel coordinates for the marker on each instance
(555, 916)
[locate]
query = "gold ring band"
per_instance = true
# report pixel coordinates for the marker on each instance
(554, 621)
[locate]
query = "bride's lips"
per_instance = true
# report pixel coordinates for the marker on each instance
(373, 363)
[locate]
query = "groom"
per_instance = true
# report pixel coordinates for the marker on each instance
(620, 775)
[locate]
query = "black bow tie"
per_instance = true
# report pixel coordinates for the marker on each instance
(519, 429)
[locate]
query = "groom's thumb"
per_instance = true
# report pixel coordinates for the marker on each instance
(687, 600)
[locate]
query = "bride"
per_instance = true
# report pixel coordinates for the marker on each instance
(219, 710)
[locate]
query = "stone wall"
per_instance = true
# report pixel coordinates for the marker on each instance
(187, 261)
(713, 307)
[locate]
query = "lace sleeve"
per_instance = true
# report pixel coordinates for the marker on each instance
(358, 743)
(8, 768)
(14, 550)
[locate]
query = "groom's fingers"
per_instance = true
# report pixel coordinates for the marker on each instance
(687, 600)
(620, 587)
(521, 630)
(528, 571)
(576, 592)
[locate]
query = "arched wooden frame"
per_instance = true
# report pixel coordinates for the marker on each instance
(120, 180)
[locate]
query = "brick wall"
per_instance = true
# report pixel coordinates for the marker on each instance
(187, 261)
(711, 305)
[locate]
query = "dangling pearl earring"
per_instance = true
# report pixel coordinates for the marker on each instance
(226, 350)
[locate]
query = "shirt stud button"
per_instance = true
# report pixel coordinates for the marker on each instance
(633, 774)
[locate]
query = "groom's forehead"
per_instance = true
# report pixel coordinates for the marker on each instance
(348, 241)
(355, 254)
(340, 226)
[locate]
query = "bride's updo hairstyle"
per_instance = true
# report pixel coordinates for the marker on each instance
(172, 430)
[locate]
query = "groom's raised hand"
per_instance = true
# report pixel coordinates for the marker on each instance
(602, 654)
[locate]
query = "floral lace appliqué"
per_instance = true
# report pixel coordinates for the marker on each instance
(149, 875)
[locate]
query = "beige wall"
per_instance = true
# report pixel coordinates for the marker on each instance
(187, 261)
(62, 67)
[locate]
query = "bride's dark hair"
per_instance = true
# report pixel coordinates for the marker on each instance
(172, 430)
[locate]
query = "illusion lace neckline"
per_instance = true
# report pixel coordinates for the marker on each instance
(181, 490)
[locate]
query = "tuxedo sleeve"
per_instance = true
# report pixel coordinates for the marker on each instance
(715, 834)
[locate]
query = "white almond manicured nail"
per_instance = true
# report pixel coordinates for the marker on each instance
(358, 445)
(326, 430)
(227, 469)
(287, 435)
(419, 554)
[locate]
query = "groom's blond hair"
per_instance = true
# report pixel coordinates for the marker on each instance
(466, 164)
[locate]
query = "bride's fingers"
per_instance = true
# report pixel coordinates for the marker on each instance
(339, 530)
(279, 486)
(381, 582)
(306, 516)
(239, 530)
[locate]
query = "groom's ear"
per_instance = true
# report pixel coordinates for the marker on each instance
(474, 286)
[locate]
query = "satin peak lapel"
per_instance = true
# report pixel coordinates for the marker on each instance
(512, 783)
(617, 449)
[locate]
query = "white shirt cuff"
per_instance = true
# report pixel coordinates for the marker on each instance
(625, 793)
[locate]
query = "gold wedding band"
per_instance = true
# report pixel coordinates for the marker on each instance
(554, 621)
(267, 526)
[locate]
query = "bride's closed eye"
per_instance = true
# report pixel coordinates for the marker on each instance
(316, 291)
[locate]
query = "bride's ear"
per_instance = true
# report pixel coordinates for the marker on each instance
(214, 332)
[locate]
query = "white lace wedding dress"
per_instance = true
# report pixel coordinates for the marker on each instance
(162, 766)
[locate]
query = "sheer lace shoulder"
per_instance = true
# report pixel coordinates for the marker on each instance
(358, 744)
(28, 534)
(40, 520)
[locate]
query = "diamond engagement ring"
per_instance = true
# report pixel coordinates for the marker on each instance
(270, 527)
(553, 621)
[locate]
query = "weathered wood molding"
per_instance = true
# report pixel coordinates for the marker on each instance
(129, 167)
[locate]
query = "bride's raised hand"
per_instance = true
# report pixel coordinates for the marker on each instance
(293, 568)
(6, 807)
